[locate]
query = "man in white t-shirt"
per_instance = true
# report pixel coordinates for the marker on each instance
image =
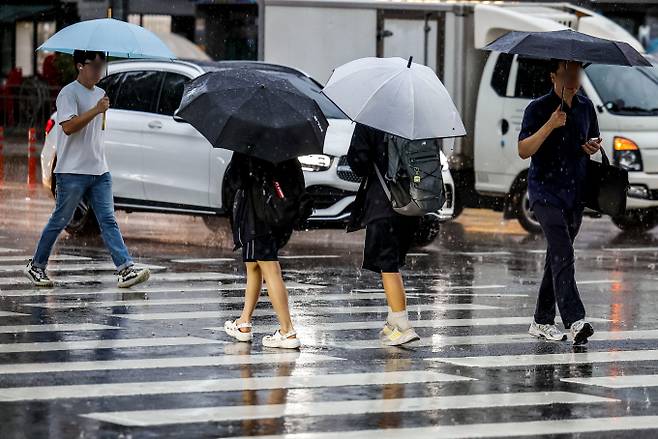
(82, 172)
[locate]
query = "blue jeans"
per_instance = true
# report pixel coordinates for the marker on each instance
(71, 189)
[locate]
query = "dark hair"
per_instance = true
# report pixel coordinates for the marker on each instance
(554, 64)
(82, 56)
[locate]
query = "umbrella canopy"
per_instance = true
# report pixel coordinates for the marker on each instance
(569, 45)
(395, 96)
(114, 37)
(253, 113)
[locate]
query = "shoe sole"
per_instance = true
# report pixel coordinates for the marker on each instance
(143, 277)
(37, 283)
(402, 340)
(244, 337)
(581, 337)
(543, 337)
(284, 345)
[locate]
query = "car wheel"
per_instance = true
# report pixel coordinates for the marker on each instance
(524, 214)
(215, 223)
(637, 221)
(428, 230)
(84, 222)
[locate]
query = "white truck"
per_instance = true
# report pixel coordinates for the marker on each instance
(491, 90)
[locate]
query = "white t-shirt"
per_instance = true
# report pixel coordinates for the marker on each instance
(82, 152)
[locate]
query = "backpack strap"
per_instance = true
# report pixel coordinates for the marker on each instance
(387, 191)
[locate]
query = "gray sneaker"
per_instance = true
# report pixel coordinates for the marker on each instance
(37, 275)
(581, 331)
(548, 332)
(393, 336)
(131, 276)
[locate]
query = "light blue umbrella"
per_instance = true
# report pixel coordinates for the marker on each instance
(114, 37)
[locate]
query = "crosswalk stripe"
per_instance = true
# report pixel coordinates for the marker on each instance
(225, 385)
(73, 268)
(632, 249)
(202, 260)
(56, 327)
(616, 381)
(157, 277)
(451, 340)
(150, 290)
(550, 359)
(156, 363)
(12, 314)
(377, 324)
(489, 430)
(183, 315)
(439, 287)
(294, 298)
(150, 418)
(9, 250)
(485, 253)
(116, 343)
(53, 258)
(308, 256)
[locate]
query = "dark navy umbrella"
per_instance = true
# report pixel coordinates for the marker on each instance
(257, 114)
(569, 45)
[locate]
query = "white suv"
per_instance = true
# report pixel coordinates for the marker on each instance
(159, 164)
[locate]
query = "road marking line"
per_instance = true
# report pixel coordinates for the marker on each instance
(225, 385)
(617, 382)
(376, 324)
(307, 309)
(70, 268)
(203, 260)
(551, 359)
(151, 418)
(12, 314)
(53, 258)
(117, 343)
(437, 340)
(490, 430)
(157, 363)
(55, 328)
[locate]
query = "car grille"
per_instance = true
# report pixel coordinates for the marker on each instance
(326, 196)
(345, 172)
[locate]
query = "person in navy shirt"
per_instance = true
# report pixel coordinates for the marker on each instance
(559, 132)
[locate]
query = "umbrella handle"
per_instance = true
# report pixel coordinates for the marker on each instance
(106, 56)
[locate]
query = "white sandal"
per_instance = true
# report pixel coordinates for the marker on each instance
(282, 341)
(233, 329)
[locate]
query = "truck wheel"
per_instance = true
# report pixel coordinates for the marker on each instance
(525, 216)
(427, 231)
(638, 221)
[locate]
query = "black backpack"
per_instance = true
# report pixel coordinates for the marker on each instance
(279, 195)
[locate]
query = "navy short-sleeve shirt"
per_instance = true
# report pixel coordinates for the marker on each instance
(559, 167)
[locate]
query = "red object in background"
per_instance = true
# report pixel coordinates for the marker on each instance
(277, 188)
(49, 126)
(12, 83)
(32, 157)
(2, 156)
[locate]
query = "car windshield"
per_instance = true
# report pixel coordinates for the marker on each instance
(307, 86)
(626, 90)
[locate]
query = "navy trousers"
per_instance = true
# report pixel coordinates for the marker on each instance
(558, 285)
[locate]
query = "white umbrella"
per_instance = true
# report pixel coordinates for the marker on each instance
(395, 96)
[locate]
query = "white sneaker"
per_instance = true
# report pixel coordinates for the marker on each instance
(392, 336)
(548, 332)
(581, 331)
(233, 329)
(282, 341)
(131, 276)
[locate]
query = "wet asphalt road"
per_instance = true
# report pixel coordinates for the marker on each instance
(147, 363)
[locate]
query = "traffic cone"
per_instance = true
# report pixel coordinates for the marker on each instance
(32, 160)
(2, 155)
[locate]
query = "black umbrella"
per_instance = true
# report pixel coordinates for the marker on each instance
(251, 112)
(569, 45)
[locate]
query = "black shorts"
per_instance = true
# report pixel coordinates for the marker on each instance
(388, 241)
(263, 248)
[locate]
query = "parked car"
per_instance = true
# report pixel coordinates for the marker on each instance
(160, 164)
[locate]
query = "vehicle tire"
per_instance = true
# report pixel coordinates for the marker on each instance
(458, 208)
(637, 221)
(84, 222)
(216, 223)
(525, 216)
(428, 230)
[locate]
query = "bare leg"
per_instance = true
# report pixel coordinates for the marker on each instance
(278, 293)
(394, 288)
(251, 293)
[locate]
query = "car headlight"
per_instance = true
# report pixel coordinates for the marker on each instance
(315, 162)
(626, 154)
